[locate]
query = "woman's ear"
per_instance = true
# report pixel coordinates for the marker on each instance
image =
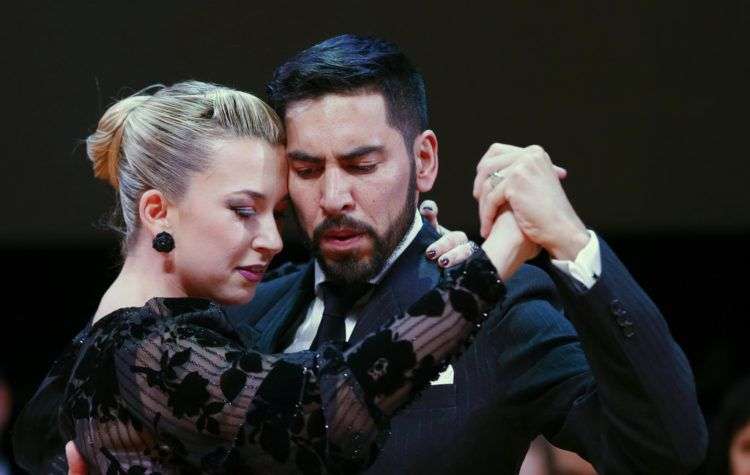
(153, 209)
(426, 158)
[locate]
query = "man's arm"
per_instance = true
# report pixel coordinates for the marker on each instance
(629, 406)
(645, 406)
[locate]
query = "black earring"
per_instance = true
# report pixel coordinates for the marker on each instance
(163, 242)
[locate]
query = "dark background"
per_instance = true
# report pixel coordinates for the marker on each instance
(645, 105)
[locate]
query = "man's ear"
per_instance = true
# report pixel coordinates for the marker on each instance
(153, 209)
(426, 158)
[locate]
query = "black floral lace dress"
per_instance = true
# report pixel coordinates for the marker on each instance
(170, 388)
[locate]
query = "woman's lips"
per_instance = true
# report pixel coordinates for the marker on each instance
(252, 273)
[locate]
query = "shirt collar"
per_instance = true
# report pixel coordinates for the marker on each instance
(409, 237)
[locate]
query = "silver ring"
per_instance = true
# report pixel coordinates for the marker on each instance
(495, 178)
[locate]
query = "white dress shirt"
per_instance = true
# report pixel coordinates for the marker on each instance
(309, 327)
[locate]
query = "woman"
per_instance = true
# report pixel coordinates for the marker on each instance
(160, 381)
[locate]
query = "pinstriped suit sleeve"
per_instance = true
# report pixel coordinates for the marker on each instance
(607, 382)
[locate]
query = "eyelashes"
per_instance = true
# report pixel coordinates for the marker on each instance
(244, 211)
(248, 212)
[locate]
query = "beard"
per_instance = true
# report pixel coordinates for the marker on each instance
(351, 268)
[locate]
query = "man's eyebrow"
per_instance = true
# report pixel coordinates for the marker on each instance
(303, 157)
(361, 151)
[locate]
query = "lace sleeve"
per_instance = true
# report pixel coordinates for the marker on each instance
(213, 404)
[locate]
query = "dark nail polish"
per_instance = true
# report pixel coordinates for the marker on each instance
(443, 261)
(431, 254)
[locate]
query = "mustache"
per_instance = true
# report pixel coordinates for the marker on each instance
(341, 221)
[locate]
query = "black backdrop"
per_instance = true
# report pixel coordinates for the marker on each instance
(645, 105)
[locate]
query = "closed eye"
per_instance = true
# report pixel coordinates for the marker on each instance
(363, 168)
(307, 172)
(245, 211)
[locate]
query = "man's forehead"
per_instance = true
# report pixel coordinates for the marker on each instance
(366, 103)
(337, 124)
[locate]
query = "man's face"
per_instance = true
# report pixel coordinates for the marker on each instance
(351, 180)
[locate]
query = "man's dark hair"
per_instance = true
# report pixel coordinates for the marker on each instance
(350, 64)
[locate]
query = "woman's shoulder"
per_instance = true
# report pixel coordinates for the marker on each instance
(162, 314)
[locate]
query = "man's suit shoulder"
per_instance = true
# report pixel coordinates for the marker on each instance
(277, 282)
(285, 272)
(274, 286)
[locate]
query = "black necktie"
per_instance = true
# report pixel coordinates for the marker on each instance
(337, 301)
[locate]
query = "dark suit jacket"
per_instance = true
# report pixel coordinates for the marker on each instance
(607, 382)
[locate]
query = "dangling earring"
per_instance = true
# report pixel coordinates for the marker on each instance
(163, 242)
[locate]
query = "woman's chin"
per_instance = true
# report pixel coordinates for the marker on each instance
(238, 297)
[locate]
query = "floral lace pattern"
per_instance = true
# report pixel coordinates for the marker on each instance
(170, 388)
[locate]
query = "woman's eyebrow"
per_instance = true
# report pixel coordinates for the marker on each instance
(251, 193)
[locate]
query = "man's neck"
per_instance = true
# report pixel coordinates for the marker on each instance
(408, 238)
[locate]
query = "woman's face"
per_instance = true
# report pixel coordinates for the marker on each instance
(225, 226)
(739, 452)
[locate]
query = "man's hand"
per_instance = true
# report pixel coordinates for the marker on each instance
(527, 182)
(76, 464)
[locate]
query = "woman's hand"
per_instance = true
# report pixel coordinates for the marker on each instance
(507, 246)
(453, 247)
(76, 463)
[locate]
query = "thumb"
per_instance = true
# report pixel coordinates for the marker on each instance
(429, 210)
(561, 172)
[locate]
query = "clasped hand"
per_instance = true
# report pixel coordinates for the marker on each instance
(523, 208)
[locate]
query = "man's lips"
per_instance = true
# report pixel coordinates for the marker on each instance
(252, 273)
(341, 239)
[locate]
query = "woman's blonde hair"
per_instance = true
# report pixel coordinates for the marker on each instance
(158, 137)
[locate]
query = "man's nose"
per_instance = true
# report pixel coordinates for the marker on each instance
(336, 196)
(268, 239)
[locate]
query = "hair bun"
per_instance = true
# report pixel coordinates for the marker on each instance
(103, 147)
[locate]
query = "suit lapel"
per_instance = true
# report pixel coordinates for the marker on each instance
(411, 276)
(286, 313)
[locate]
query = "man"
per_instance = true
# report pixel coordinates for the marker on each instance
(618, 391)
(612, 386)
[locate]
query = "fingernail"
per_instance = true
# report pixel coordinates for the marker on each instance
(428, 205)
(443, 261)
(431, 253)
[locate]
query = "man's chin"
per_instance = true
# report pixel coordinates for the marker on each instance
(348, 267)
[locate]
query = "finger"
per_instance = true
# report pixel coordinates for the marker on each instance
(505, 176)
(492, 163)
(561, 172)
(442, 231)
(457, 255)
(429, 210)
(500, 148)
(449, 241)
(76, 464)
(489, 207)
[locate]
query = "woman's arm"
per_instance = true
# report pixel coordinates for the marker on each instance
(213, 403)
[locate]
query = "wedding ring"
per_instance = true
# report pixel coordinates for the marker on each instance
(495, 178)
